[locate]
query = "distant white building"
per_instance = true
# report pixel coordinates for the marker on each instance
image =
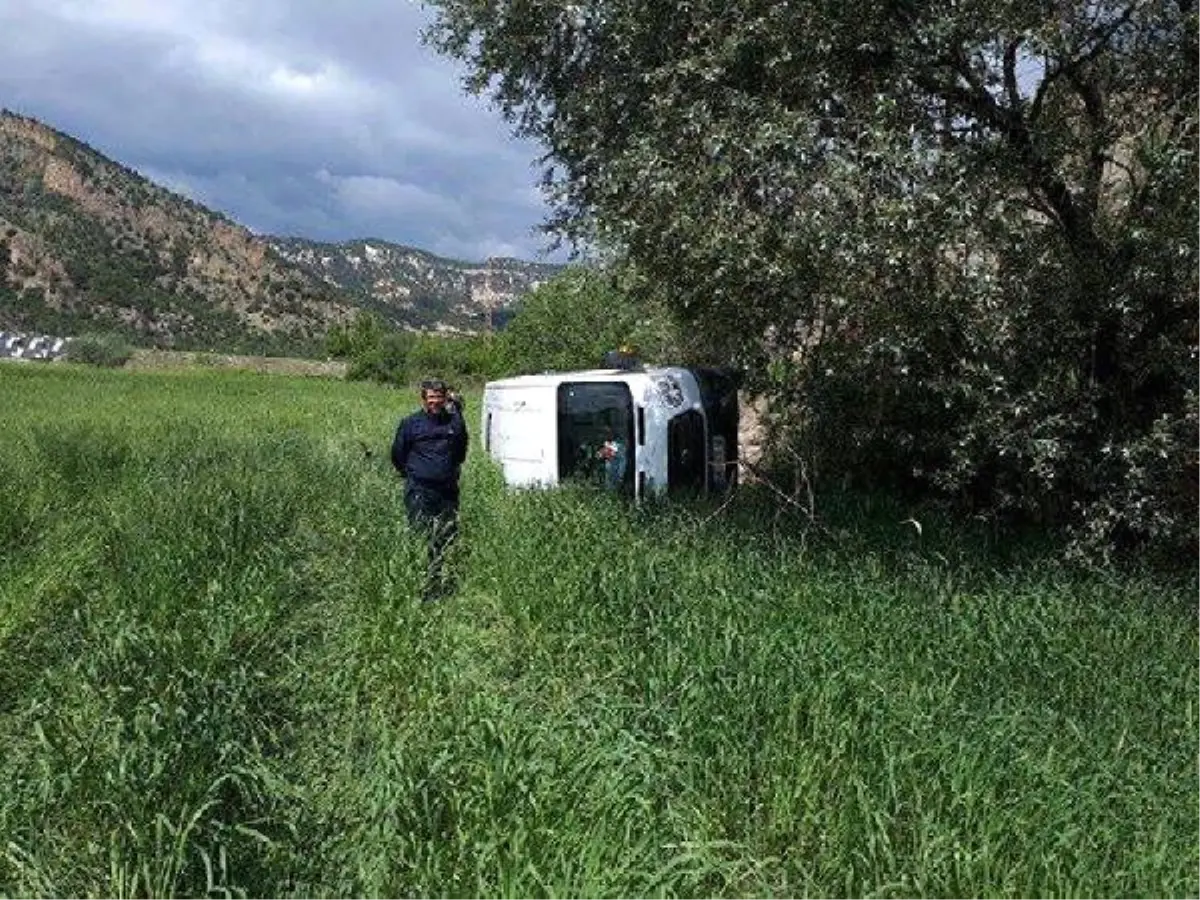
(15, 345)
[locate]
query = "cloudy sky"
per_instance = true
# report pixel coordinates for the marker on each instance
(319, 119)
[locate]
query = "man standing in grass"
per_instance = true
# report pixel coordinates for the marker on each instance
(428, 452)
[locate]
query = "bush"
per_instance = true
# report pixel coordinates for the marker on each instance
(981, 394)
(567, 323)
(99, 350)
(375, 352)
(570, 322)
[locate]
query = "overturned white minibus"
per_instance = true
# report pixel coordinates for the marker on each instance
(640, 431)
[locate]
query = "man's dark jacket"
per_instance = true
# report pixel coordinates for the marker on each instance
(429, 450)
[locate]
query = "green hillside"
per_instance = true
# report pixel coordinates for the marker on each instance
(87, 244)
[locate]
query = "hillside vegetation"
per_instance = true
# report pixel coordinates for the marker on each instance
(566, 324)
(87, 245)
(215, 678)
(416, 290)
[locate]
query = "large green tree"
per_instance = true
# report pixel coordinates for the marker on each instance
(571, 321)
(958, 238)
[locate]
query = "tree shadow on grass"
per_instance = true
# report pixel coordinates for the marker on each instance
(846, 526)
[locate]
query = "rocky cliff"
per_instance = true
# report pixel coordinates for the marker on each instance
(87, 244)
(415, 289)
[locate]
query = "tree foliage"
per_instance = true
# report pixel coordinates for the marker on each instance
(377, 352)
(566, 323)
(954, 242)
(570, 322)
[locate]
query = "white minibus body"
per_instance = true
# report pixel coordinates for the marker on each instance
(639, 431)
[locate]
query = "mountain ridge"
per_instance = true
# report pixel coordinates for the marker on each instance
(417, 289)
(90, 244)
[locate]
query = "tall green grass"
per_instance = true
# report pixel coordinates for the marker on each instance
(216, 679)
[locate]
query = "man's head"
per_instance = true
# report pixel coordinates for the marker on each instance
(433, 396)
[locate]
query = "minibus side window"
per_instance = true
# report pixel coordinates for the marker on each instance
(686, 464)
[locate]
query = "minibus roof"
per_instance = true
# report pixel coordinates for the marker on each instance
(550, 379)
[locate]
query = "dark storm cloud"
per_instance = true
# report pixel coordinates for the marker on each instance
(307, 118)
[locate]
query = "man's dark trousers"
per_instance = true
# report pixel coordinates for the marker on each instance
(434, 512)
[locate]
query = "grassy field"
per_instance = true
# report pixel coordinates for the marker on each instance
(215, 679)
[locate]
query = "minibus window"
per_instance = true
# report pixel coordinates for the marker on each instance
(595, 434)
(685, 453)
(719, 395)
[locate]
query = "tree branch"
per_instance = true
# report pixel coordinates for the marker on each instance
(1067, 67)
(1010, 73)
(1093, 105)
(976, 102)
